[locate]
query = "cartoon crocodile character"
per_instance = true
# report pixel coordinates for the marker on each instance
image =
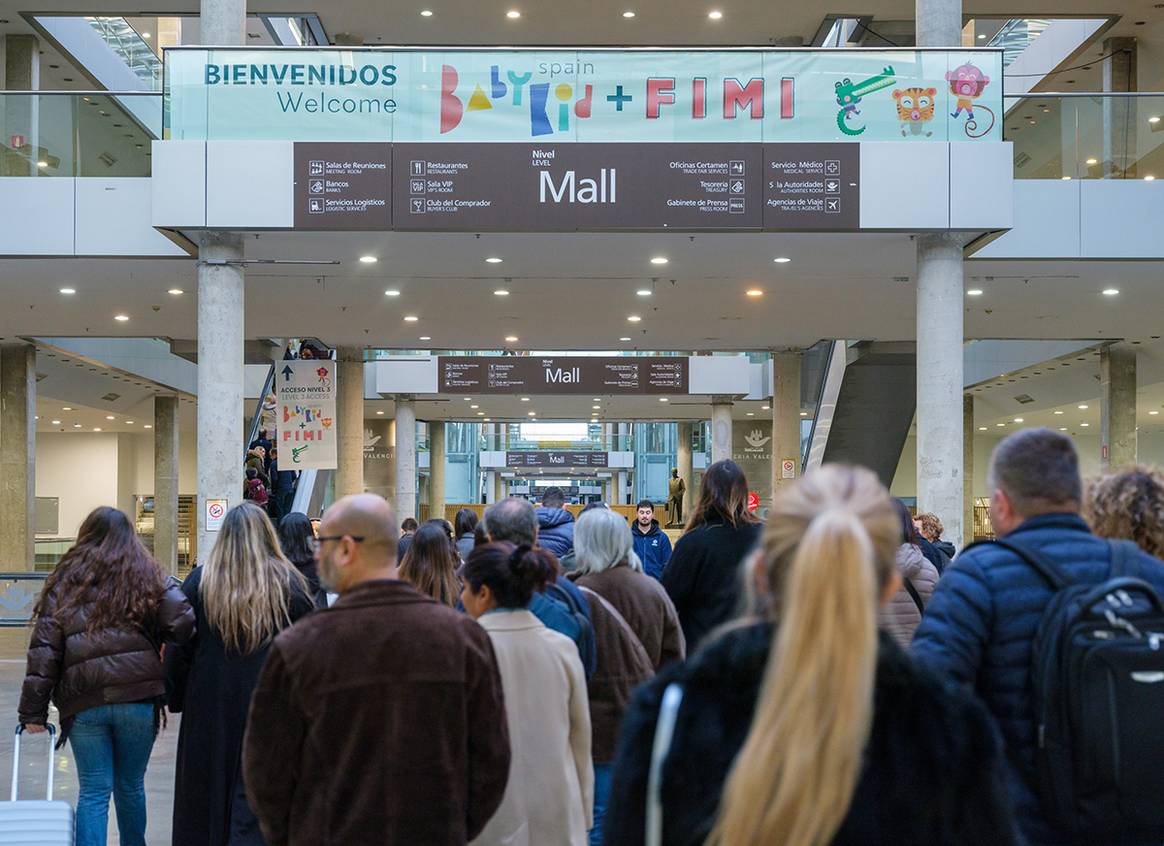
(849, 94)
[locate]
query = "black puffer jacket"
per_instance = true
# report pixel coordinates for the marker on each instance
(78, 669)
(933, 765)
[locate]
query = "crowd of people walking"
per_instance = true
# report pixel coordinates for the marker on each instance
(833, 674)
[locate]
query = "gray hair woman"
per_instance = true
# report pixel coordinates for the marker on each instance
(636, 630)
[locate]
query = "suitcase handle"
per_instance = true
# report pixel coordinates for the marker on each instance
(52, 733)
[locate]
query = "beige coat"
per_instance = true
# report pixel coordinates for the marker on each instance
(549, 798)
(900, 615)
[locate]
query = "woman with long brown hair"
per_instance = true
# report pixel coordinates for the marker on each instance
(244, 595)
(431, 563)
(805, 725)
(101, 619)
(702, 578)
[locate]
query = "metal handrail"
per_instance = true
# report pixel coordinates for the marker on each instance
(257, 419)
(86, 92)
(1035, 95)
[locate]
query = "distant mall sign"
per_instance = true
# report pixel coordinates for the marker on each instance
(556, 458)
(563, 374)
(587, 96)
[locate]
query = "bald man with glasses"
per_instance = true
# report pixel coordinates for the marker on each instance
(381, 719)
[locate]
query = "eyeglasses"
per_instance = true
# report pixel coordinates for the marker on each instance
(319, 541)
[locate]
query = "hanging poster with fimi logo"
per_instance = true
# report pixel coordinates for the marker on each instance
(306, 427)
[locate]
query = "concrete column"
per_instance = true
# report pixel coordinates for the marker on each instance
(620, 480)
(391, 495)
(1119, 113)
(223, 23)
(405, 458)
(17, 455)
(21, 63)
(721, 430)
(938, 23)
(686, 466)
(166, 462)
(1117, 406)
(499, 487)
(491, 486)
(220, 436)
(939, 380)
(785, 416)
(349, 477)
(436, 468)
(968, 467)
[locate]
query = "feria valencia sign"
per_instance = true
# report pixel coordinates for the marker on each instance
(560, 96)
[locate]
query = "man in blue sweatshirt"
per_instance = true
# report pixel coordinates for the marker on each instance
(652, 545)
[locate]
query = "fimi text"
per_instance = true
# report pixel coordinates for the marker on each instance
(604, 189)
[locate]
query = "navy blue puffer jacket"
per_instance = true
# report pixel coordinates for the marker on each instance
(980, 623)
(555, 530)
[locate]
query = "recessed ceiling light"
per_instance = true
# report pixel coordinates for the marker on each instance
(379, 413)
(1018, 420)
(76, 425)
(1085, 425)
(426, 13)
(659, 260)
(593, 419)
(501, 292)
(804, 414)
(42, 164)
(368, 259)
(764, 408)
(488, 420)
(1149, 178)
(755, 292)
(596, 399)
(596, 407)
(474, 406)
(1082, 407)
(532, 414)
(1111, 292)
(751, 414)
(715, 14)
(1093, 161)
(110, 417)
(628, 14)
(513, 14)
(467, 399)
(643, 292)
(1058, 412)
(494, 260)
(974, 292)
(633, 318)
(1062, 428)
(525, 399)
(664, 399)
(1000, 424)
(1065, 178)
(1153, 412)
(68, 291)
(981, 428)
(175, 292)
(782, 259)
(1154, 119)
(145, 35)
(128, 422)
(392, 292)
(624, 339)
(96, 428)
(147, 426)
(56, 422)
(66, 408)
(121, 318)
(981, 36)
(426, 337)
(411, 318)
(480, 413)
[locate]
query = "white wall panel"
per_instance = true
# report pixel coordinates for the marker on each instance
(1046, 221)
(407, 376)
(113, 219)
(905, 186)
(982, 186)
(36, 216)
(1121, 218)
(719, 374)
(249, 184)
(179, 184)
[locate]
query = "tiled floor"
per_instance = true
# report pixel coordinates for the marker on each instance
(159, 776)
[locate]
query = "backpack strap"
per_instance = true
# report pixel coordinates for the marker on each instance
(1122, 551)
(664, 731)
(914, 595)
(1040, 564)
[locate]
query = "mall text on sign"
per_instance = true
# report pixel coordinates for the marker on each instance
(305, 408)
(215, 514)
(343, 186)
(556, 458)
(548, 375)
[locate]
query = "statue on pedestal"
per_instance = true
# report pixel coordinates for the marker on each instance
(676, 487)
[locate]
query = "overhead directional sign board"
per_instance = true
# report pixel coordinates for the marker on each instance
(555, 458)
(343, 186)
(563, 374)
(305, 404)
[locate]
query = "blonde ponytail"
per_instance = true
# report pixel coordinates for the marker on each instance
(828, 548)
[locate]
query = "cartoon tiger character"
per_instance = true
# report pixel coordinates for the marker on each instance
(915, 108)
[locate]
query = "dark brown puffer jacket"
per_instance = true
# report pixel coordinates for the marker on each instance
(78, 669)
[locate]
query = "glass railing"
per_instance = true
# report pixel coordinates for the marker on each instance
(137, 54)
(1086, 135)
(619, 443)
(77, 134)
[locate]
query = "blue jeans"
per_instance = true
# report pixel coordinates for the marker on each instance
(601, 795)
(112, 745)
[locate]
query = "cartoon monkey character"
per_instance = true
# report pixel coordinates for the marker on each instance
(966, 83)
(915, 108)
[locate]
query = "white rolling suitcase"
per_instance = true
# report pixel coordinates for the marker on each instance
(35, 822)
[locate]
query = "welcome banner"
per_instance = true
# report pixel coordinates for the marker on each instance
(562, 96)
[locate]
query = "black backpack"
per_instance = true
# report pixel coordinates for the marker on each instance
(1097, 674)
